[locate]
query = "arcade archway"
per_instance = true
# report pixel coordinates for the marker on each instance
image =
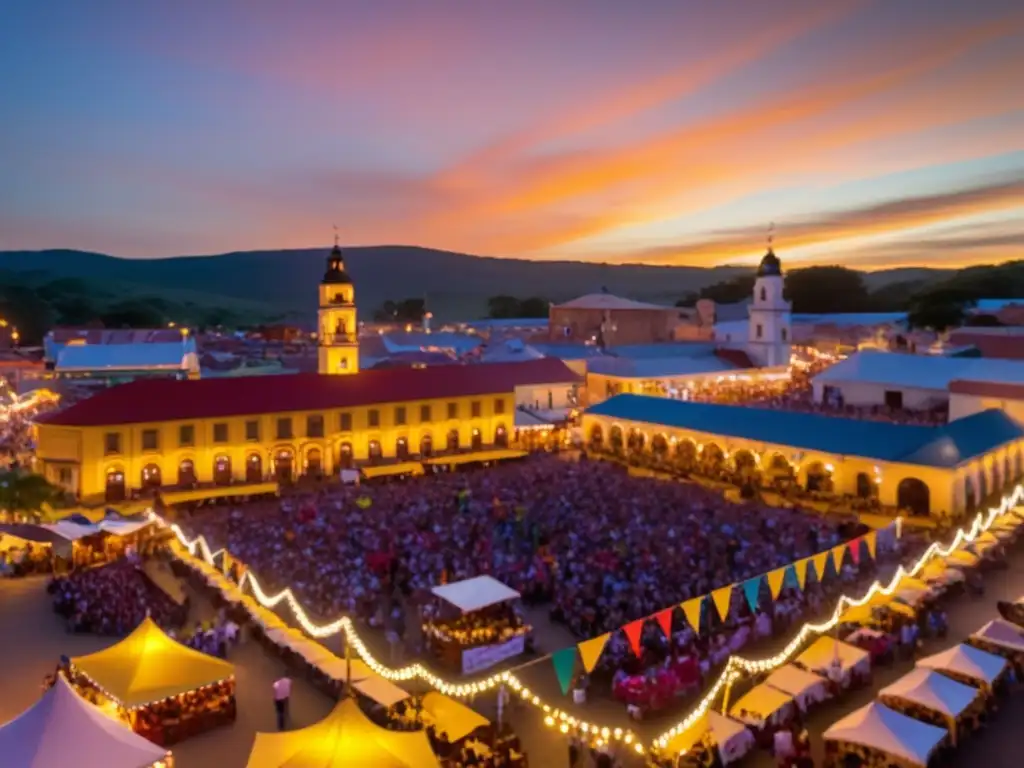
(501, 437)
(452, 441)
(402, 449)
(186, 473)
(913, 495)
(115, 490)
(819, 478)
(374, 453)
(222, 470)
(314, 463)
(284, 465)
(151, 476)
(345, 460)
(596, 438)
(426, 446)
(254, 468)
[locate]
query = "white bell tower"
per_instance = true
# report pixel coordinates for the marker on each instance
(770, 321)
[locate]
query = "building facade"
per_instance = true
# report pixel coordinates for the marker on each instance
(770, 323)
(337, 322)
(607, 320)
(929, 470)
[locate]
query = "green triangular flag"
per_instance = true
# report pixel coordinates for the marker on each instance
(565, 664)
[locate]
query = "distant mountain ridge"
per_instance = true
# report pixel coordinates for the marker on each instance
(455, 285)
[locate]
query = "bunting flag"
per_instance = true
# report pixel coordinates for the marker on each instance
(820, 561)
(633, 631)
(752, 591)
(225, 563)
(776, 579)
(691, 610)
(565, 664)
(665, 622)
(722, 597)
(590, 651)
(854, 548)
(800, 566)
(837, 557)
(871, 542)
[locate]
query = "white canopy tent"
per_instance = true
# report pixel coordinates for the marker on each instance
(826, 651)
(966, 661)
(734, 740)
(62, 728)
(805, 687)
(1002, 633)
(933, 691)
(877, 727)
(475, 594)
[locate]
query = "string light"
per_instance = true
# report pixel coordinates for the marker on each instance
(734, 670)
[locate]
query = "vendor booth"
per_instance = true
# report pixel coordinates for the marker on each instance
(1002, 638)
(763, 706)
(1013, 612)
(962, 559)
(806, 688)
(839, 662)
(450, 716)
(476, 625)
(62, 728)
(930, 697)
(939, 573)
(168, 691)
(880, 736)
(874, 641)
(967, 665)
(346, 738)
(713, 732)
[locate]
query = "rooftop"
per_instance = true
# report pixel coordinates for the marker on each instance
(125, 357)
(945, 446)
(920, 371)
(155, 400)
(608, 301)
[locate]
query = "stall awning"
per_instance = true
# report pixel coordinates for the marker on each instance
(391, 470)
(452, 717)
(471, 458)
(878, 727)
(476, 593)
(384, 692)
(933, 691)
(346, 738)
(825, 649)
(733, 739)
(149, 666)
(1002, 633)
(761, 701)
(967, 661)
(219, 492)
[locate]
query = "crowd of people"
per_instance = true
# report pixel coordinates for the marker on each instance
(113, 600)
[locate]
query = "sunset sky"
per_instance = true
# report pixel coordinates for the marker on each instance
(873, 133)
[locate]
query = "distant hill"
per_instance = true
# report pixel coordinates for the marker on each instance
(455, 285)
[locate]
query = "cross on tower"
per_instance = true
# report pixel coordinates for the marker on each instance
(335, 235)
(771, 234)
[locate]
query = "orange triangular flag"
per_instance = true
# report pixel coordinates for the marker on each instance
(590, 651)
(775, 579)
(665, 622)
(691, 610)
(722, 598)
(633, 631)
(800, 566)
(837, 557)
(820, 561)
(872, 541)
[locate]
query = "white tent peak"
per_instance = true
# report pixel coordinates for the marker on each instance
(475, 594)
(932, 690)
(878, 727)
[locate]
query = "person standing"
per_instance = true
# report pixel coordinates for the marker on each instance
(282, 692)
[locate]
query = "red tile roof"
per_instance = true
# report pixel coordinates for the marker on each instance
(156, 400)
(995, 345)
(737, 358)
(987, 389)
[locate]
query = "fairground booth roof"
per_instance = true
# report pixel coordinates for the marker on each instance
(155, 400)
(946, 446)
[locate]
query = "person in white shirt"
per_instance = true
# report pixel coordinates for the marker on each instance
(282, 692)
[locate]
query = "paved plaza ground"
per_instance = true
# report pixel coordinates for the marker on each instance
(32, 638)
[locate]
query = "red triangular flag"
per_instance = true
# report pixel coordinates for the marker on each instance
(665, 622)
(633, 631)
(855, 550)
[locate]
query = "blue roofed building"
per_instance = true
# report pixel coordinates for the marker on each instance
(932, 470)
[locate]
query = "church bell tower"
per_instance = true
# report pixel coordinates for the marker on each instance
(769, 341)
(337, 331)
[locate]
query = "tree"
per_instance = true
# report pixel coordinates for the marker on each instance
(821, 290)
(534, 307)
(689, 300)
(502, 307)
(731, 291)
(133, 313)
(25, 493)
(936, 312)
(404, 311)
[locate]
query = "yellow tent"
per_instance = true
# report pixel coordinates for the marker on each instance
(345, 738)
(148, 666)
(500, 454)
(451, 717)
(391, 470)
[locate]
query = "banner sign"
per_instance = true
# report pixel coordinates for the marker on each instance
(476, 659)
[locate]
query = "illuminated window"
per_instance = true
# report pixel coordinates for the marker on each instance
(373, 418)
(453, 410)
(399, 415)
(150, 440)
(475, 409)
(315, 425)
(186, 435)
(425, 415)
(252, 431)
(220, 432)
(345, 422)
(284, 428)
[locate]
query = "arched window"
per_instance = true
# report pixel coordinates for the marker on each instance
(426, 446)
(866, 487)
(375, 455)
(970, 498)
(345, 456)
(115, 485)
(453, 440)
(615, 438)
(186, 473)
(477, 440)
(913, 495)
(712, 457)
(151, 476)
(253, 468)
(284, 465)
(686, 454)
(501, 437)
(785, 333)
(764, 294)
(222, 470)
(659, 446)
(819, 478)
(314, 463)
(402, 449)
(596, 436)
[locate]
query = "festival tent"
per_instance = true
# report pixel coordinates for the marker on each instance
(148, 666)
(805, 687)
(938, 572)
(966, 663)
(1002, 634)
(819, 657)
(877, 727)
(734, 740)
(475, 594)
(452, 717)
(928, 689)
(62, 728)
(760, 705)
(383, 691)
(961, 558)
(346, 738)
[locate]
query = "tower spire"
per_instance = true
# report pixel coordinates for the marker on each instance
(336, 236)
(771, 234)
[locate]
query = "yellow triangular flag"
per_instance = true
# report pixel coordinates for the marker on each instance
(691, 610)
(820, 561)
(837, 557)
(800, 566)
(722, 598)
(872, 541)
(775, 579)
(590, 650)
(225, 564)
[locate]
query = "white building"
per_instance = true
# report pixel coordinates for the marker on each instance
(769, 331)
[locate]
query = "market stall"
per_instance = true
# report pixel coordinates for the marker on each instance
(806, 688)
(169, 692)
(714, 732)
(475, 625)
(450, 716)
(346, 738)
(841, 663)
(1002, 638)
(874, 641)
(930, 697)
(967, 665)
(880, 736)
(962, 559)
(938, 572)
(763, 706)
(62, 728)
(1013, 612)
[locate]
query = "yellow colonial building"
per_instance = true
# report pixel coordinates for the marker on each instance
(928, 470)
(166, 434)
